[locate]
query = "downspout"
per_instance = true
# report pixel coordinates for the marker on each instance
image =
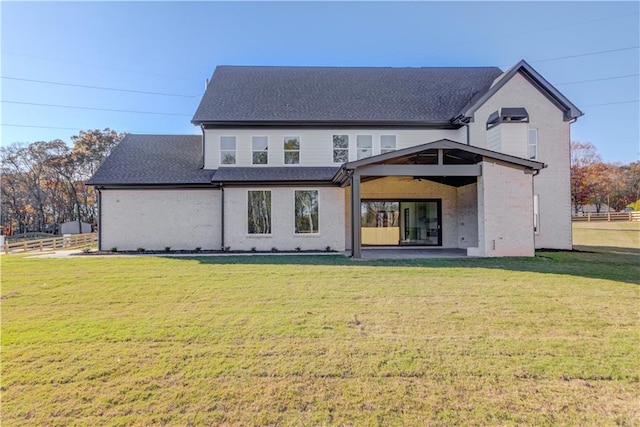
(222, 215)
(464, 121)
(468, 133)
(203, 144)
(99, 219)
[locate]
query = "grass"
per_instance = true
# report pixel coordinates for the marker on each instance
(321, 341)
(615, 236)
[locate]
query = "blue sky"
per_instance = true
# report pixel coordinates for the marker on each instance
(588, 50)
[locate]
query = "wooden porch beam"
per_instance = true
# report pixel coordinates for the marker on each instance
(419, 170)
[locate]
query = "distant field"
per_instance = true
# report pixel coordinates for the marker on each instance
(551, 340)
(607, 234)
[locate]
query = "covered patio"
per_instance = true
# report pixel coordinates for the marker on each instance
(486, 198)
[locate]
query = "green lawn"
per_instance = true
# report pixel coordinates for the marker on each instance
(614, 236)
(321, 341)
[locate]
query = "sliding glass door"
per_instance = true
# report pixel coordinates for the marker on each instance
(401, 222)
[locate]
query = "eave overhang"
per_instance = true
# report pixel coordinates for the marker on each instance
(336, 124)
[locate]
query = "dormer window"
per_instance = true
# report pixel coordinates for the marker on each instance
(508, 115)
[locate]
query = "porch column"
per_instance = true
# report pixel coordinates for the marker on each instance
(356, 220)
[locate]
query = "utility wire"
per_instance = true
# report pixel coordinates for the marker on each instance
(65, 128)
(104, 67)
(96, 108)
(613, 103)
(599, 80)
(585, 54)
(97, 87)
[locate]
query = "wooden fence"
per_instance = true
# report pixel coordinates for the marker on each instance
(608, 216)
(64, 242)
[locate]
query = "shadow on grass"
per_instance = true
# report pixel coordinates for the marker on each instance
(610, 263)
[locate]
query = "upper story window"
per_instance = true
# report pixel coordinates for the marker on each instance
(533, 143)
(387, 143)
(291, 150)
(365, 146)
(340, 148)
(227, 150)
(260, 147)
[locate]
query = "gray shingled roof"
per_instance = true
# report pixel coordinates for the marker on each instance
(274, 174)
(153, 160)
(344, 94)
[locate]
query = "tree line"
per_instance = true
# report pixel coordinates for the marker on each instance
(43, 182)
(594, 182)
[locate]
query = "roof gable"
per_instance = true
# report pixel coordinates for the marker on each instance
(570, 110)
(341, 94)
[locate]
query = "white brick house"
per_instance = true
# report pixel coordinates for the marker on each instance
(470, 158)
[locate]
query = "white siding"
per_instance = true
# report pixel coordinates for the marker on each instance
(283, 236)
(553, 182)
(494, 139)
(316, 145)
(155, 219)
(514, 139)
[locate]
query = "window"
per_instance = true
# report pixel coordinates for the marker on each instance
(306, 210)
(387, 143)
(227, 150)
(340, 148)
(533, 143)
(260, 145)
(259, 212)
(291, 150)
(365, 146)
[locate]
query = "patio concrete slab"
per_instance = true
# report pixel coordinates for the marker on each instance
(412, 253)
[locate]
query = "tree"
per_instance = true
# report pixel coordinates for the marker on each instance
(43, 182)
(91, 147)
(583, 155)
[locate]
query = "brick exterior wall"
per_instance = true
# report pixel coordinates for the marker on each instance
(155, 219)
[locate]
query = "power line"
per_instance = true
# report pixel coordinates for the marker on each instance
(104, 67)
(97, 109)
(97, 87)
(613, 103)
(585, 54)
(599, 80)
(78, 128)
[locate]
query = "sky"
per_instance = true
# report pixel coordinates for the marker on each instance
(140, 67)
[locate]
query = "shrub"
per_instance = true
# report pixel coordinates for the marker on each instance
(140, 249)
(114, 249)
(274, 249)
(253, 249)
(328, 249)
(86, 250)
(167, 248)
(298, 249)
(198, 249)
